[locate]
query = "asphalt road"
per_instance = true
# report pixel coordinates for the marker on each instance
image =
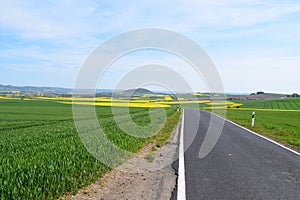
(240, 166)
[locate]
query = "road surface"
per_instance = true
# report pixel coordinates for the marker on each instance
(240, 166)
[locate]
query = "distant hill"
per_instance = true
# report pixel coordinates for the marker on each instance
(7, 89)
(138, 91)
(10, 89)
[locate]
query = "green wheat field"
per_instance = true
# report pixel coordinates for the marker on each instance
(42, 156)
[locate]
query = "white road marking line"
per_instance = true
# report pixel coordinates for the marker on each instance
(181, 167)
(254, 133)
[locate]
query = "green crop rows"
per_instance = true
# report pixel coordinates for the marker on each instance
(283, 104)
(41, 154)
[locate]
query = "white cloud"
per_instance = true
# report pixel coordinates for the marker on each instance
(72, 29)
(271, 74)
(46, 22)
(82, 19)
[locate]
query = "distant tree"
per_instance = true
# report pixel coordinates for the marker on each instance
(260, 93)
(295, 95)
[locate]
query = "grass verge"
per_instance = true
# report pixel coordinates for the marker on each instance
(283, 127)
(164, 135)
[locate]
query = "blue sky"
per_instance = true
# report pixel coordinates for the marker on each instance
(255, 45)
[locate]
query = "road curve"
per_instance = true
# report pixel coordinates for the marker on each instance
(240, 166)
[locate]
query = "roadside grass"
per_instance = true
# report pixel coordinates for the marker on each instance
(282, 126)
(164, 135)
(42, 156)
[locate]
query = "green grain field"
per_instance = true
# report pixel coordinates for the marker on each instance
(42, 156)
(283, 104)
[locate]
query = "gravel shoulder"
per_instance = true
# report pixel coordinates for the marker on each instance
(147, 175)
